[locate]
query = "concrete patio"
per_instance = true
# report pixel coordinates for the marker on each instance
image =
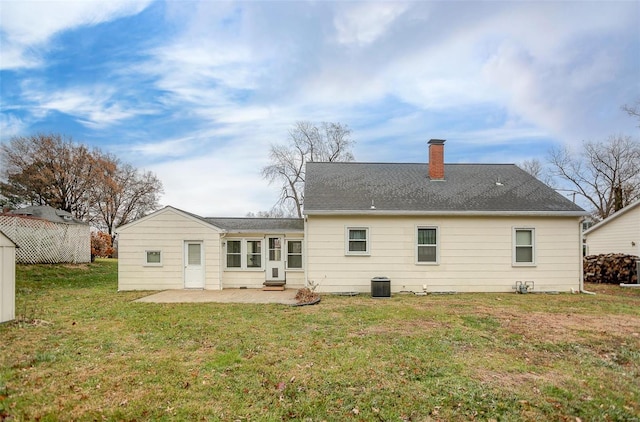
(286, 297)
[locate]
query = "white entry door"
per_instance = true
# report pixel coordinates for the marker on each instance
(193, 265)
(275, 259)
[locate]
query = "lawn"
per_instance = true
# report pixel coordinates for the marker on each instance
(79, 350)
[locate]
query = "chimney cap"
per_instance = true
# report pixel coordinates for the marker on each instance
(437, 141)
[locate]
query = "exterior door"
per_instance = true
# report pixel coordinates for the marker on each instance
(275, 259)
(193, 265)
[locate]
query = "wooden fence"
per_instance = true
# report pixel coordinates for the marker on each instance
(45, 242)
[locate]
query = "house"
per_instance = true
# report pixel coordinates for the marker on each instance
(428, 227)
(618, 233)
(7, 278)
(174, 249)
(47, 235)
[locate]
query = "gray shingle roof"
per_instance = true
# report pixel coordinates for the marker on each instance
(48, 213)
(406, 188)
(251, 225)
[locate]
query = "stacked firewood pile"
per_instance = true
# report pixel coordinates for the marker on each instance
(612, 268)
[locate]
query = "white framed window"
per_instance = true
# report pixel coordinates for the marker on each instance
(234, 253)
(153, 258)
(524, 252)
(294, 254)
(427, 245)
(357, 241)
(244, 254)
(254, 253)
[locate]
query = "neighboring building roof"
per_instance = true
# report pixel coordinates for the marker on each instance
(405, 188)
(48, 213)
(3, 234)
(612, 217)
(246, 225)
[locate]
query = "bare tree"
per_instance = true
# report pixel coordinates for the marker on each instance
(122, 194)
(537, 169)
(633, 110)
(307, 142)
(272, 213)
(93, 186)
(48, 170)
(606, 173)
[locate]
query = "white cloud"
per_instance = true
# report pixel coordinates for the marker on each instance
(29, 24)
(10, 126)
(95, 106)
(362, 23)
(225, 182)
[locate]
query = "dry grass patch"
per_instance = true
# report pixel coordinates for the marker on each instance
(100, 356)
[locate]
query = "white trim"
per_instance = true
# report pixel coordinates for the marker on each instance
(347, 239)
(244, 254)
(165, 210)
(226, 254)
(286, 254)
(145, 258)
(533, 247)
(437, 245)
(448, 213)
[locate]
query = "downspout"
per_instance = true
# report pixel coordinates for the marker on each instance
(581, 240)
(221, 261)
(305, 255)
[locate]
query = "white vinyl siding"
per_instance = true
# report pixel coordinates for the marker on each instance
(153, 258)
(524, 246)
(427, 245)
(617, 235)
(166, 231)
(475, 254)
(357, 241)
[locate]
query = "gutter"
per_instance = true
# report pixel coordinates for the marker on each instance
(448, 213)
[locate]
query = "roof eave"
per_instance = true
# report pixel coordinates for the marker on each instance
(370, 213)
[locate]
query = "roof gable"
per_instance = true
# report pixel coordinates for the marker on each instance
(406, 188)
(6, 240)
(232, 225)
(624, 211)
(168, 209)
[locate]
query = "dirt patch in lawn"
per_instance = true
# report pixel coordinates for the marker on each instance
(570, 327)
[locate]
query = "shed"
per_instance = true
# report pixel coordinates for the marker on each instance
(7, 278)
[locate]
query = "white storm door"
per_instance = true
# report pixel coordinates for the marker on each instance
(275, 259)
(193, 265)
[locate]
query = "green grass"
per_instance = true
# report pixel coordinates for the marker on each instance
(79, 350)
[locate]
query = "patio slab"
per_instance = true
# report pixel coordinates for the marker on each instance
(285, 297)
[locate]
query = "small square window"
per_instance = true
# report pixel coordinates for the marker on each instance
(357, 241)
(153, 258)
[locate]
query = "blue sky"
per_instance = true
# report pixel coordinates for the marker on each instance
(197, 91)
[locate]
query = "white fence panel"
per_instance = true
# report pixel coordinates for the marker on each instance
(44, 242)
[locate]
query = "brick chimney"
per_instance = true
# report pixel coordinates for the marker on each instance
(436, 159)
